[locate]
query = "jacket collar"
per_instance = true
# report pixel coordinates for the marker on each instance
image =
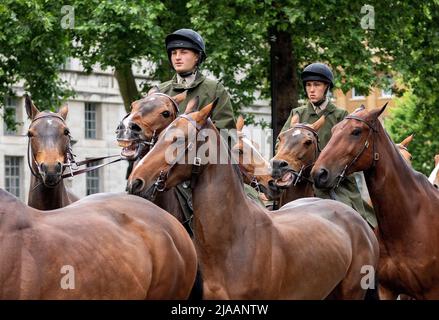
(330, 108)
(180, 87)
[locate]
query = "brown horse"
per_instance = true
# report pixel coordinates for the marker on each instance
(406, 204)
(298, 150)
(310, 249)
(255, 169)
(139, 130)
(434, 176)
(48, 155)
(105, 246)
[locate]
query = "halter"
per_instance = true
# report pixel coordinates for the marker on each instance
(376, 155)
(160, 184)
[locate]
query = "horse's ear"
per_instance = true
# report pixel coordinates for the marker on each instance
(192, 105)
(179, 98)
(319, 123)
(31, 110)
(207, 111)
(407, 141)
(436, 160)
(294, 120)
(153, 89)
(240, 123)
(377, 112)
(64, 111)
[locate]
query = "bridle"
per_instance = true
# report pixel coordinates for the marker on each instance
(70, 163)
(376, 155)
(160, 183)
(299, 175)
(145, 142)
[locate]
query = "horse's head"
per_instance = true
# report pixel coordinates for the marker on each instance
(49, 143)
(350, 149)
(137, 132)
(298, 149)
(253, 165)
(402, 148)
(175, 155)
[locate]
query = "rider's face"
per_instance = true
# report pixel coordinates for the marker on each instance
(315, 90)
(184, 60)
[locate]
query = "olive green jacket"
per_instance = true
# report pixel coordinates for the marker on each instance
(207, 90)
(347, 192)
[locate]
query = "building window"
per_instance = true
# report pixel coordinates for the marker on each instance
(92, 179)
(91, 120)
(13, 175)
(356, 95)
(11, 112)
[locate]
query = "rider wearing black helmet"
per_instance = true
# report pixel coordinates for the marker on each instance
(186, 52)
(318, 80)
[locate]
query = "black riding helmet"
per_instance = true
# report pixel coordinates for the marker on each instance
(188, 39)
(317, 72)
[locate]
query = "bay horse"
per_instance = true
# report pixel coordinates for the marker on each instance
(298, 150)
(406, 204)
(104, 246)
(49, 152)
(434, 176)
(310, 249)
(254, 167)
(138, 131)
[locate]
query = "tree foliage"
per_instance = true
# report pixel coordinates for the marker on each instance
(32, 47)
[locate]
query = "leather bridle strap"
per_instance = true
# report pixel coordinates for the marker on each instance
(174, 103)
(376, 155)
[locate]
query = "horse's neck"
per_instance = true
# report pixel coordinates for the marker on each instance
(169, 202)
(392, 187)
(303, 189)
(223, 214)
(44, 198)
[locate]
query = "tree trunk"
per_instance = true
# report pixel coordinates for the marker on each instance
(283, 79)
(127, 85)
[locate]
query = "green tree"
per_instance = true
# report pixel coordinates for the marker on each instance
(120, 34)
(33, 45)
(269, 42)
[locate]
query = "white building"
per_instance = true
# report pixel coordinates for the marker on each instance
(93, 116)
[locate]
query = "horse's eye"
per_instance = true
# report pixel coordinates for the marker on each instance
(356, 132)
(308, 142)
(66, 131)
(166, 114)
(30, 134)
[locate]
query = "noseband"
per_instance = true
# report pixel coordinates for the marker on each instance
(376, 155)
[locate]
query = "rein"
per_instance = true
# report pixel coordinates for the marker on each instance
(376, 155)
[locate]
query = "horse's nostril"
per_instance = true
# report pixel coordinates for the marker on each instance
(43, 167)
(58, 167)
(136, 186)
(322, 176)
